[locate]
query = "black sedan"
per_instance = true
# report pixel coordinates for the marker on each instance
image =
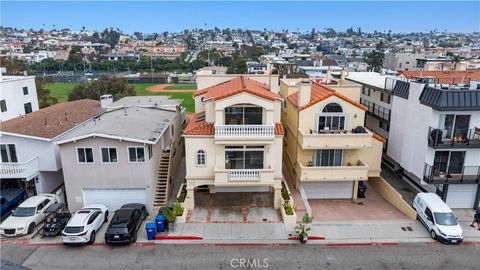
(125, 224)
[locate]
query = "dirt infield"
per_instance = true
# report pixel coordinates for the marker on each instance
(161, 88)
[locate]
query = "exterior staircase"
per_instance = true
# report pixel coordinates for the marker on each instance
(162, 186)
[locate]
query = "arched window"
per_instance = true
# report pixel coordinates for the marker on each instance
(332, 108)
(201, 158)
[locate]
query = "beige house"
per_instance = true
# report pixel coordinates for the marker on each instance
(234, 141)
(124, 155)
(327, 149)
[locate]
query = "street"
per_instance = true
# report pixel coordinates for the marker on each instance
(192, 256)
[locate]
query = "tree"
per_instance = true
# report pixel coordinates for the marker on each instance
(374, 59)
(456, 59)
(238, 66)
(138, 35)
(43, 93)
(118, 87)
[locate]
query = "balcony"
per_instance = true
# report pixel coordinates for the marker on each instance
(334, 139)
(376, 110)
(446, 138)
(25, 170)
(463, 175)
(357, 171)
(244, 132)
(244, 177)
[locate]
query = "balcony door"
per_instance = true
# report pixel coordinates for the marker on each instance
(449, 161)
(244, 157)
(8, 153)
(328, 157)
(331, 118)
(244, 115)
(455, 125)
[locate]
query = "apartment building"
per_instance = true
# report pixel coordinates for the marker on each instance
(435, 137)
(127, 154)
(327, 149)
(233, 143)
(18, 96)
(402, 61)
(29, 157)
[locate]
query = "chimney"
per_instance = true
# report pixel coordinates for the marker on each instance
(329, 73)
(106, 100)
(343, 74)
(304, 92)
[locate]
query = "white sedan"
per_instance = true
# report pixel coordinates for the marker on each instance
(85, 223)
(27, 216)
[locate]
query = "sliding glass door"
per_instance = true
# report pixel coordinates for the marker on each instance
(329, 157)
(243, 115)
(244, 157)
(456, 125)
(449, 161)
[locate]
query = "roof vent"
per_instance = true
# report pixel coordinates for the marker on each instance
(106, 100)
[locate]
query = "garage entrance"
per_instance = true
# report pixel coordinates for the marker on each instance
(113, 198)
(461, 196)
(329, 190)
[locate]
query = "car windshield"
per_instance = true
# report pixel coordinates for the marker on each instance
(446, 219)
(24, 212)
(70, 229)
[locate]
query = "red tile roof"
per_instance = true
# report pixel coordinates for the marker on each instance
(237, 85)
(320, 92)
(450, 77)
(378, 137)
(198, 126)
(53, 120)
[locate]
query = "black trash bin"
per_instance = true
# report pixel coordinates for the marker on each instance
(361, 190)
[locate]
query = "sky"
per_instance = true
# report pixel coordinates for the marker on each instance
(159, 16)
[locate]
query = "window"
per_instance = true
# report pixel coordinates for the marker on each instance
(328, 157)
(136, 154)
(93, 217)
(109, 155)
(201, 161)
(43, 204)
(244, 157)
(85, 155)
(366, 91)
(385, 125)
(25, 90)
(243, 115)
(385, 97)
(429, 214)
(8, 153)
(28, 107)
(3, 105)
(332, 108)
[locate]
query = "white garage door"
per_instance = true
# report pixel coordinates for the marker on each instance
(329, 190)
(461, 196)
(113, 198)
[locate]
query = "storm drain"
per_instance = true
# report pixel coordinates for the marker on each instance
(408, 228)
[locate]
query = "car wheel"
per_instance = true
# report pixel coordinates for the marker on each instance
(92, 238)
(31, 228)
(433, 234)
(106, 217)
(135, 236)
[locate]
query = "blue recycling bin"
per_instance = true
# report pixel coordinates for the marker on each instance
(150, 227)
(160, 222)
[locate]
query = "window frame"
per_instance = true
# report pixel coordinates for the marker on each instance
(3, 104)
(197, 153)
(25, 88)
(86, 162)
(25, 107)
(246, 148)
(9, 153)
(315, 159)
(101, 154)
(136, 154)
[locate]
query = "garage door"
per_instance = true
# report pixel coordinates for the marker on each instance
(328, 190)
(461, 196)
(114, 198)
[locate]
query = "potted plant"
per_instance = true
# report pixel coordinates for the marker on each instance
(170, 216)
(303, 229)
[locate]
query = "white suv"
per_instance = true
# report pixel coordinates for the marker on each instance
(27, 216)
(85, 223)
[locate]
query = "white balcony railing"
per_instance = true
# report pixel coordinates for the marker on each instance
(26, 169)
(244, 175)
(244, 131)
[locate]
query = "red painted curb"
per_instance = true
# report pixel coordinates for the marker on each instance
(246, 245)
(309, 238)
(166, 237)
(361, 244)
(471, 243)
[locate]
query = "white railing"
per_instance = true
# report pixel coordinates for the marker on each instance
(244, 175)
(26, 169)
(244, 131)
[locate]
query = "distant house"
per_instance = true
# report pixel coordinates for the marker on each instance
(29, 156)
(18, 96)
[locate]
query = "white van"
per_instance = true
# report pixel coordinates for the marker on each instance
(438, 218)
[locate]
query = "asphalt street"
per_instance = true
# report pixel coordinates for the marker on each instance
(406, 256)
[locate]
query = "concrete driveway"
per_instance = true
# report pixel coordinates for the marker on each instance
(234, 207)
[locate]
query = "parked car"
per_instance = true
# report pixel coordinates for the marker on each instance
(57, 217)
(10, 199)
(438, 218)
(28, 215)
(84, 224)
(124, 226)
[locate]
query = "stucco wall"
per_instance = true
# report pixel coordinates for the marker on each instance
(12, 93)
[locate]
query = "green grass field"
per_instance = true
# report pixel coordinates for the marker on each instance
(182, 86)
(61, 90)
